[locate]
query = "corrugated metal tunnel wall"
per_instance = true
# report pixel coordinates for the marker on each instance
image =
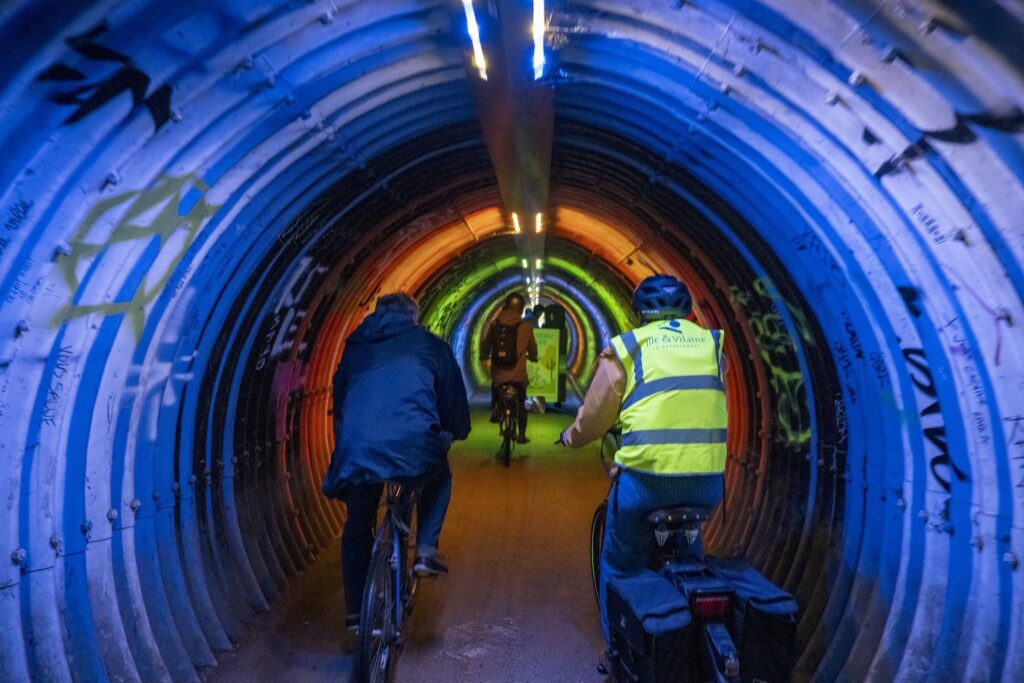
(200, 199)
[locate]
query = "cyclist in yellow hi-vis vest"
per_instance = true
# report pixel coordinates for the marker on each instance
(662, 383)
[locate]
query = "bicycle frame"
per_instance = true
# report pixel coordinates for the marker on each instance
(509, 407)
(384, 634)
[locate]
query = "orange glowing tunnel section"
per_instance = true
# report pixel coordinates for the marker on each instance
(461, 264)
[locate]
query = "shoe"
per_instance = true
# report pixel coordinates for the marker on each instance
(352, 623)
(522, 439)
(429, 565)
(604, 665)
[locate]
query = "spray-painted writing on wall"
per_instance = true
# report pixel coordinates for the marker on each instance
(55, 392)
(778, 349)
(13, 221)
(90, 96)
(174, 207)
(289, 312)
(1015, 444)
(942, 466)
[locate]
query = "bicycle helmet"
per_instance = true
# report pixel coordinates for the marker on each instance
(661, 296)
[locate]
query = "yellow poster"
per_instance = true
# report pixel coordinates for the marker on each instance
(544, 373)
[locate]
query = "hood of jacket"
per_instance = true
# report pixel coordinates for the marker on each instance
(381, 325)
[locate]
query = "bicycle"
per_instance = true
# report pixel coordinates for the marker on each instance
(710, 599)
(508, 424)
(390, 588)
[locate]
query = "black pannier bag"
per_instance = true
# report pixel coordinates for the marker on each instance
(503, 345)
(648, 619)
(766, 621)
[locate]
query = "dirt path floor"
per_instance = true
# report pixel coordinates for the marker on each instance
(517, 605)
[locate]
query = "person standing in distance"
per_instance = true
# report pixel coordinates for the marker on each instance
(399, 401)
(506, 346)
(663, 383)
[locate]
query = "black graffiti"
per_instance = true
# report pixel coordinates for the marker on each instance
(1010, 121)
(910, 297)
(16, 216)
(909, 153)
(23, 287)
(935, 434)
(809, 241)
(1016, 443)
(929, 222)
(92, 95)
(851, 334)
(55, 391)
(881, 371)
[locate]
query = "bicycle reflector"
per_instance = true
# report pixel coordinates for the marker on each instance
(706, 606)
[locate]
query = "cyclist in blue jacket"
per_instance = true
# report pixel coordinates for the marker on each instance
(399, 401)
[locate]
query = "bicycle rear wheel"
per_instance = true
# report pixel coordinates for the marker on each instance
(378, 634)
(508, 433)
(597, 525)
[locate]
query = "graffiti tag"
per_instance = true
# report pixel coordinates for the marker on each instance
(155, 214)
(55, 392)
(1016, 444)
(16, 216)
(941, 465)
(91, 96)
(777, 348)
(289, 313)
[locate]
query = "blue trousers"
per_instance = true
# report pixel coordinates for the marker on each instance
(360, 525)
(628, 540)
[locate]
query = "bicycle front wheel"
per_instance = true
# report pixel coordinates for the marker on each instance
(597, 525)
(506, 450)
(378, 632)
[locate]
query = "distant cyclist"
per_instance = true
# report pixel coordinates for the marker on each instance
(507, 345)
(663, 383)
(399, 400)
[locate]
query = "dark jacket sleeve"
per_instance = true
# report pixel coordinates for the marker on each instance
(339, 389)
(531, 347)
(452, 402)
(486, 341)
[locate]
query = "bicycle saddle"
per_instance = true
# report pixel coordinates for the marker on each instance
(678, 517)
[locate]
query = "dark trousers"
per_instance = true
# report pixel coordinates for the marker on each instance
(357, 540)
(520, 402)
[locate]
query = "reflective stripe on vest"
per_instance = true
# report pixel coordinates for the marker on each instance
(673, 411)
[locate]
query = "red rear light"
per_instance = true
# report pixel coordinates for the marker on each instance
(711, 605)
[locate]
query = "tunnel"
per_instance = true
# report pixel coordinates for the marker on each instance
(200, 201)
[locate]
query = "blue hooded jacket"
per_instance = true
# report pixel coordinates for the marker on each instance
(399, 400)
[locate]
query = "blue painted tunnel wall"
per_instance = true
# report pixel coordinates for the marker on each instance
(194, 197)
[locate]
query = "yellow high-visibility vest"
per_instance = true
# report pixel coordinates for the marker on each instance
(673, 412)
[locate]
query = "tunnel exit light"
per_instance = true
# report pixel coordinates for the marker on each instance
(515, 223)
(538, 39)
(539, 226)
(474, 35)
